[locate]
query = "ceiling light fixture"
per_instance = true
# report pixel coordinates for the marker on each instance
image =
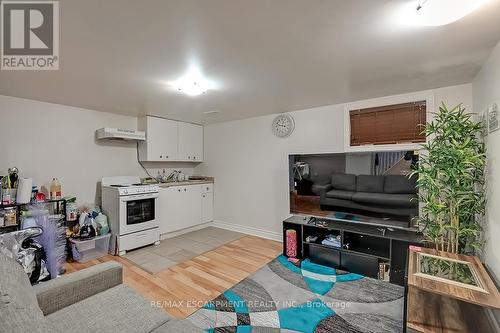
(192, 84)
(191, 88)
(438, 12)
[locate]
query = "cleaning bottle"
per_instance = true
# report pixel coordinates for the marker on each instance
(55, 189)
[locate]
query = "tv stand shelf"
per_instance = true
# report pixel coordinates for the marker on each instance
(364, 249)
(367, 254)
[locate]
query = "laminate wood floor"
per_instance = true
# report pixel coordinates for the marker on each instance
(182, 289)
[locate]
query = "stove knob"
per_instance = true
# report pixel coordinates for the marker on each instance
(125, 192)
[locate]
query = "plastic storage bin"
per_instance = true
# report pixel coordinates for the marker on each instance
(85, 250)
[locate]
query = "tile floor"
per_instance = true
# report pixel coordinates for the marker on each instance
(173, 251)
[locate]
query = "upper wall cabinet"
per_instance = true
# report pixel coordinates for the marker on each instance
(169, 140)
(161, 139)
(190, 142)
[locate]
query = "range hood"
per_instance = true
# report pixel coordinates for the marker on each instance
(108, 133)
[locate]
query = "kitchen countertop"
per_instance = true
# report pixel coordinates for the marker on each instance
(186, 183)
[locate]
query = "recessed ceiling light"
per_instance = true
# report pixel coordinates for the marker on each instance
(193, 83)
(438, 12)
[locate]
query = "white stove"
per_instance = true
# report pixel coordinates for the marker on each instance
(131, 210)
(132, 189)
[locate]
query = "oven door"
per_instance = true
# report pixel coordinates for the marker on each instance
(138, 213)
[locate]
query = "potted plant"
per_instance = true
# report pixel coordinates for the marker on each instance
(451, 181)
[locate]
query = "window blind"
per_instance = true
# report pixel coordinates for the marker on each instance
(390, 124)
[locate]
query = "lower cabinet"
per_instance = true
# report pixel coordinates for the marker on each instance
(181, 207)
(323, 256)
(207, 207)
(360, 264)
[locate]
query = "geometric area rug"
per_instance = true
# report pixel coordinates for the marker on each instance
(281, 297)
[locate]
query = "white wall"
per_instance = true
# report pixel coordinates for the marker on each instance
(486, 91)
(250, 164)
(358, 164)
(48, 140)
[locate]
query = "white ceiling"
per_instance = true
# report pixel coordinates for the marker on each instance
(267, 56)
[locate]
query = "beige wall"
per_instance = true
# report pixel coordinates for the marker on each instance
(486, 91)
(49, 140)
(250, 164)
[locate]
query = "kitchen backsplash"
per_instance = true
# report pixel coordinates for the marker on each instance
(155, 167)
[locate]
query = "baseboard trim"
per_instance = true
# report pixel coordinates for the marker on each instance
(276, 236)
(185, 231)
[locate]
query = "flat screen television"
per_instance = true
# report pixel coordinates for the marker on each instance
(373, 187)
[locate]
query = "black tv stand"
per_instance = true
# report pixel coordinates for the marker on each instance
(364, 247)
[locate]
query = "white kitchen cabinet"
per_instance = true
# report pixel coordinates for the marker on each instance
(180, 207)
(192, 202)
(170, 140)
(207, 207)
(169, 212)
(190, 142)
(161, 139)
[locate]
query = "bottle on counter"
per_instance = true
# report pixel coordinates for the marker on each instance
(55, 189)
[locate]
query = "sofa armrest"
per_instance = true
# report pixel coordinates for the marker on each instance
(323, 189)
(68, 289)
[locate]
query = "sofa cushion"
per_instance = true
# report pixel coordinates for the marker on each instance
(19, 311)
(385, 199)
(344, 182)
(336, 194)
(398, 184)
(118, 309)
(367, 183)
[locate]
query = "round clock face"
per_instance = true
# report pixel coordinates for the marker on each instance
(283, 125)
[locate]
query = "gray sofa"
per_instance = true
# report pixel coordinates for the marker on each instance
(90, 300)
(391, 194)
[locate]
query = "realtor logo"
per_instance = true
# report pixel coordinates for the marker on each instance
(29, 35)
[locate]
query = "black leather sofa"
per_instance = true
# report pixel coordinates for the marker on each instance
(391, 194)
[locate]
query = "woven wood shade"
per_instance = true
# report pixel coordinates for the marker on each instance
(391, 124)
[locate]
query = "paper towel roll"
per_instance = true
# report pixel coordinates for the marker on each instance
(24, 190)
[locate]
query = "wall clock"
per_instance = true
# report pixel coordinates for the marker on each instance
(283, 125)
